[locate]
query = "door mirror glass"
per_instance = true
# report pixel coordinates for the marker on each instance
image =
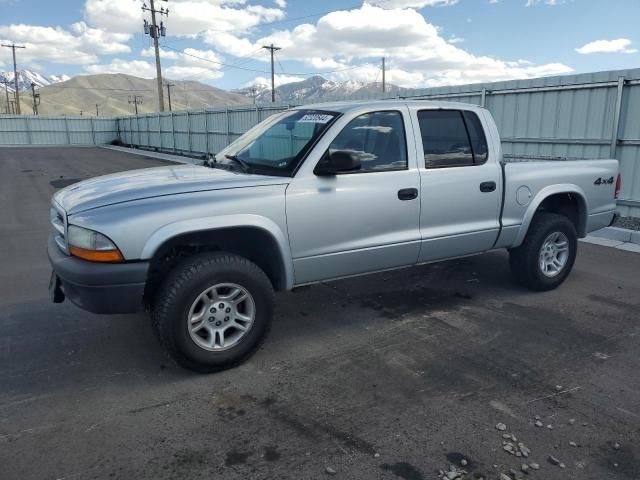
(339, 161)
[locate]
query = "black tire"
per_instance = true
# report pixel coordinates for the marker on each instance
(525, 259)
(181, 288)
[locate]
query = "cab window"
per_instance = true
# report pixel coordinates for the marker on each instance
(377, 138)
(452, 138)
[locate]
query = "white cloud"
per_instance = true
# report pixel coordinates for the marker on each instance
(553, 3)
(391, 4)
(185, 72)
(189, 56)
(620, 45)
(164, 54)
(278, 80)
(188, 67)
(281, 3)
(139, 68)
(122, 16)
(79, 45)
(186, 17)
(201, 58)
(417, 53)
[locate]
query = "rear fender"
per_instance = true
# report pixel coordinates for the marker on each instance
(583, 208)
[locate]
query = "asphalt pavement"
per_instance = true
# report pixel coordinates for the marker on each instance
(395, 375)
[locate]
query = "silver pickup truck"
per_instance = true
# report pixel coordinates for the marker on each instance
(312, 194)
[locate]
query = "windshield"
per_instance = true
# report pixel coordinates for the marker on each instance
(278, 145)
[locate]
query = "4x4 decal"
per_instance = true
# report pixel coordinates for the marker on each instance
(603, 181)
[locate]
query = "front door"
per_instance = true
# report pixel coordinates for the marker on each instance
(360, 221)
(461, 186)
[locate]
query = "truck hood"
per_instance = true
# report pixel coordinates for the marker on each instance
(154, 182)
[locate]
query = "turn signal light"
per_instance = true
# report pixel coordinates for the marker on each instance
(618, 186)
(108, 256)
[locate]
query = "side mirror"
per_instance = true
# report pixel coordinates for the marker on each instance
(339, 161)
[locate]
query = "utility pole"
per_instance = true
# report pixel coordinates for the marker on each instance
(6, 92)
(136, 100)
(169, 85)
(384, 78)
(254, 93)
(272, 49)
(36, 98)
(13, 47)
(155, 32)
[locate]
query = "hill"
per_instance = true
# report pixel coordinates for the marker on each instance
(112, 93)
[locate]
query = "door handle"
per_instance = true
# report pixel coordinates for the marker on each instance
(408, 193)
(486, 187)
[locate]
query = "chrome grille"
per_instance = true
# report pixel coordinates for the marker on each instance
(59, 226)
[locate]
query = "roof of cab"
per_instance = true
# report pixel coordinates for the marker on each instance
(345, 106)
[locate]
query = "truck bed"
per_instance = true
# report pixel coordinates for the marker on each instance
(528, 179)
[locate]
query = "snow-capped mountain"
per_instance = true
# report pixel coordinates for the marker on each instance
(315, 88)
(27, 77)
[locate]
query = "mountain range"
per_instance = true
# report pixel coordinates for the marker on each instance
(114, 94)
(315, 88)
(28, 77)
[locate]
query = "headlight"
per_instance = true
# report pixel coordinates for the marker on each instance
(92, 246)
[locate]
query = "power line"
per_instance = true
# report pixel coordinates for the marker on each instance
(101, 88)
(13, 47)
(275, 22)
(280, 65)
(301, 74)
(214, 61)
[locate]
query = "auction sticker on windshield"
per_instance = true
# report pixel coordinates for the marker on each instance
(315, 118)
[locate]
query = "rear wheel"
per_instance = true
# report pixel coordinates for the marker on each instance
(546, 257)
(212, 311)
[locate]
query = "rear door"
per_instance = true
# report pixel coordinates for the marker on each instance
(461, 187)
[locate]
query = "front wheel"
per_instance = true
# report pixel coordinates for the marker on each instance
(546, 257)
(212, 311)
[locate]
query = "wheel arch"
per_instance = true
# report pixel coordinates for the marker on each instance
(254, 237)
(568, 200)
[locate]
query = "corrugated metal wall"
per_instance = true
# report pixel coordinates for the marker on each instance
(595, 115)
(45, 130)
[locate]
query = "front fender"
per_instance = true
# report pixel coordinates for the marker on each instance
(194, 225)
(544, 194)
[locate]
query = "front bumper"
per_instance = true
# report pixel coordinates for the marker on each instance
(99, 287)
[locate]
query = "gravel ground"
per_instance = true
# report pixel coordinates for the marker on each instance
(632, 223)
(447, 371)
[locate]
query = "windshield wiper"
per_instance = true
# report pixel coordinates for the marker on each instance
(246, 168)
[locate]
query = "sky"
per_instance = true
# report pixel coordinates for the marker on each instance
(425, 42)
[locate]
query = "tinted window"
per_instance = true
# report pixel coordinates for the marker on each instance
(449, 141)
(478, 140)
(378, 138)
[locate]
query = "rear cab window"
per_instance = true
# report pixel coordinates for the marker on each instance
(452, 138)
